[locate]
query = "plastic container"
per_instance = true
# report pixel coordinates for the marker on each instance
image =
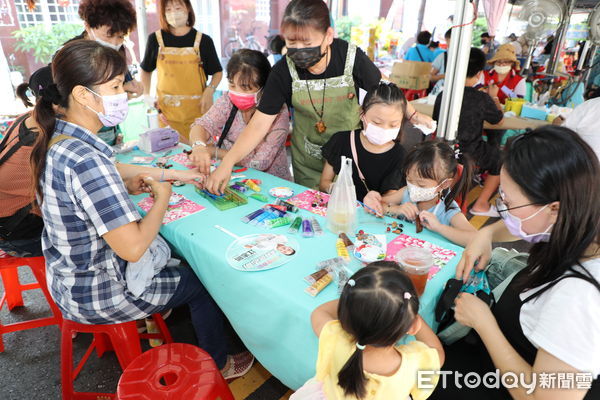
(416, 262)
(533, 113)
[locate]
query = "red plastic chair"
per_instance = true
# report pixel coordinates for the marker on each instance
(176, 371)
(123, 339)
(411, 94)
(13, 292)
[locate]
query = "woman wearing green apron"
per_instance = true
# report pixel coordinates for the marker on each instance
(320, 77)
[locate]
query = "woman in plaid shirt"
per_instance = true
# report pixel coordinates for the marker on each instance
(93, 231)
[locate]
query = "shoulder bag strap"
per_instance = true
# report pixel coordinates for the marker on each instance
(355, 158)
(418, 51)
(58, 138)
(227, 126)
(5, 141)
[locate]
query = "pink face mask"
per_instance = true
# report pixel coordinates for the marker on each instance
(243, 101)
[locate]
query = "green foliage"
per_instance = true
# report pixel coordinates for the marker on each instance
(42, 43)
(479, 27)
(343, 26)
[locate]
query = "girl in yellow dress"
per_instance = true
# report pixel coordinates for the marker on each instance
(358, 353)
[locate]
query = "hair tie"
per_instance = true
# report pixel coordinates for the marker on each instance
(51, 94)
(457, 152)
(384, 81)
(351, 282)
(359, 346)
(407, 296)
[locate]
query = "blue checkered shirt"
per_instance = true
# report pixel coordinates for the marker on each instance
(84, 198)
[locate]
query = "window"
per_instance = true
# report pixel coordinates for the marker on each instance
(47, 12)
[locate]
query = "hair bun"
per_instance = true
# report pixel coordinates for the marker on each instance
(51, 94)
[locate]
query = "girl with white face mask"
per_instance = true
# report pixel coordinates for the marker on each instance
(375, 149)
(431, 189)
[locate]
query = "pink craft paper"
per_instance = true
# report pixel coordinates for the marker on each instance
(305, 199)
(183, 159)
(182, 209)
(3, 254)
(441, 256)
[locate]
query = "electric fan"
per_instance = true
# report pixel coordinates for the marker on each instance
(541, 18)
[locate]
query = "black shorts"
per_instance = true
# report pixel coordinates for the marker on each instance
(485, 156)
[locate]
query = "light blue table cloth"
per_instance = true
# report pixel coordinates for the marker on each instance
(269, 310)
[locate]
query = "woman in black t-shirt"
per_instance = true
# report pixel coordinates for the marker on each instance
(183, 57)
(320, 77)
(376, 151)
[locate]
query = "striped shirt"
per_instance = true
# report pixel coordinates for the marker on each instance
(84, 198)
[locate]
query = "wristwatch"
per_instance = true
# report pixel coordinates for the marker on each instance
(214, 87)
(198, 143)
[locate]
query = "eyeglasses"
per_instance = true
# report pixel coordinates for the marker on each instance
(501, 206)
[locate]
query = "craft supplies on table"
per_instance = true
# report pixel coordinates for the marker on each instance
(230, 199)
(179, 207)
(295, 225)
(158, 139)
(369, 248)
(281, 192)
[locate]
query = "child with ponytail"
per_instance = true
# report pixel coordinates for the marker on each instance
(432, 185)
(359, 357)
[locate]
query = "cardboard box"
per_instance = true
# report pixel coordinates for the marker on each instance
(414, 75)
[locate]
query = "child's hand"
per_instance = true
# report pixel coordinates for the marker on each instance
(373, 200)
(409, 210)
(429, 221)
(493, 90)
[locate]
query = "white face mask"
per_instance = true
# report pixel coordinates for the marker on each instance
(177, 19)
(379, 136)
(106, 44)
(418, 194)
(502, 69)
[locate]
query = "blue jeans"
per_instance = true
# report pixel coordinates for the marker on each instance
(22, 247)
(207, 318)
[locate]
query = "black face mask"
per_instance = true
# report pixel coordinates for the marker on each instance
(305, 57)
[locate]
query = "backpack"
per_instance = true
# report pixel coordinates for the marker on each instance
(503, 266)
(8, 225)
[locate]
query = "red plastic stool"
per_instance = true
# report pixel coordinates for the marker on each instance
(175, 371)
(412, 94)
(123, 339)
(13, 289)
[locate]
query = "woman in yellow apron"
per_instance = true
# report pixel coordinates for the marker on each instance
(183, 57)
(320, 77)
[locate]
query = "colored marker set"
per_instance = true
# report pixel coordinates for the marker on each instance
(269, 216)
(310, 227)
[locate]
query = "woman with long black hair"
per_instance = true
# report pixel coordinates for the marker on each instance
(546, 325)
(93, 235)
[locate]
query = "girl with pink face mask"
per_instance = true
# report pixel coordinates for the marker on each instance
(375, 149)
(215, 133)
